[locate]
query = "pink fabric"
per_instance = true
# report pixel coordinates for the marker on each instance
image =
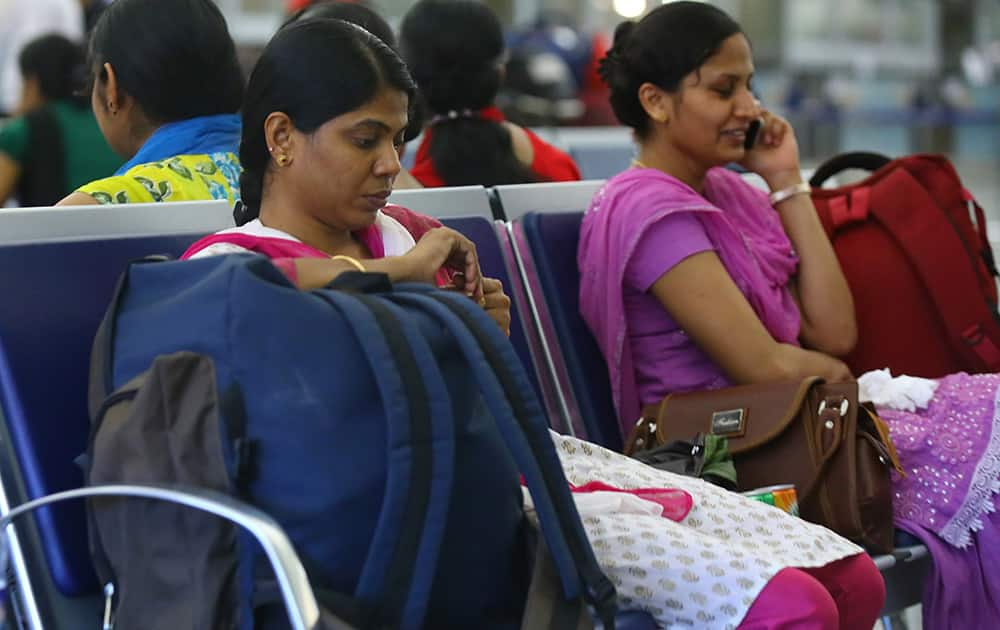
(287, 267)
(278, 248)
(270, 247)
(751, 244)
(675, 503)
(844, 595)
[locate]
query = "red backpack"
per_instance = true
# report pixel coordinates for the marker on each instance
(921, 272)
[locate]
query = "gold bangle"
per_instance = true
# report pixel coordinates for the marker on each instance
(351, 261)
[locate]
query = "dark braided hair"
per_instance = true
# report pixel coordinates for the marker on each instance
(454, 49)
(293, 75)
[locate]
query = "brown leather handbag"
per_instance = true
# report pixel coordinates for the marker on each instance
(809, 433)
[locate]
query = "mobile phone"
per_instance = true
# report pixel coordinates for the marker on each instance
(752, 132)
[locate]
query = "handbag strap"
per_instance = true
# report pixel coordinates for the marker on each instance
(827, 415)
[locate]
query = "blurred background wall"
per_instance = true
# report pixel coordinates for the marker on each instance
(894, 76)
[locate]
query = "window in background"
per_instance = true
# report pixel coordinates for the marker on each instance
(865, 35)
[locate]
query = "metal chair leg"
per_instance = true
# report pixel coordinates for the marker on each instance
(893, 622)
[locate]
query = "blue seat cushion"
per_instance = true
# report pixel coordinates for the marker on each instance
(56, 295)
(553, 239)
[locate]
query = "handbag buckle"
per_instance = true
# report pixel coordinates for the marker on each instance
(844, 406)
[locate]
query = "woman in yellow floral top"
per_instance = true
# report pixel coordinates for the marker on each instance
(166, 91)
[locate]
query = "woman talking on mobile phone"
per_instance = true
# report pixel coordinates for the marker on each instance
(692, 279)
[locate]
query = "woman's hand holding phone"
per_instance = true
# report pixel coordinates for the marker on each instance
(772, 151)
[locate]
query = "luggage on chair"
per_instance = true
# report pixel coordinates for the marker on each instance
(920, 269)
(385, 428)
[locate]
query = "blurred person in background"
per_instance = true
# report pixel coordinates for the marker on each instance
(455, 50)
(366, 17)
(552, 76)
(55, 145)
(166, 91)
(22, 21)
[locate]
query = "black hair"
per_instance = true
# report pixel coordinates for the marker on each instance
(354, 12)
(454, 49)
(367, 18)
(174, 57)
(58, 65)
(293, 75)
(671, 42)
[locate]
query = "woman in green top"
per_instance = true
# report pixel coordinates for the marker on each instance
(55, 145)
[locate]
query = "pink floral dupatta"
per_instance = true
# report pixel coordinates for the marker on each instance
(740, 223)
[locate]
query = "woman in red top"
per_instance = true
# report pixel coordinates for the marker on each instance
(455, 49)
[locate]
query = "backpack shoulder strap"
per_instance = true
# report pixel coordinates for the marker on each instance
(402, 559)
(523, 425)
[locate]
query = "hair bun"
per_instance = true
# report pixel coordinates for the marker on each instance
(622, 33)
(613, 66)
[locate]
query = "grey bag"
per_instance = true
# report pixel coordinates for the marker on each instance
(172, 567)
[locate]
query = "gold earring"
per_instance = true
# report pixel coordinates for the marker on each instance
(283, 160)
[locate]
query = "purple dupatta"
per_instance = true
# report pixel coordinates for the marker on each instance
(747, 236)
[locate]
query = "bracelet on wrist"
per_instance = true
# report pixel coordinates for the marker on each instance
(350, 260)
(802, 188)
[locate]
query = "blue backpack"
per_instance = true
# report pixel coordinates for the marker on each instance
(386, 428)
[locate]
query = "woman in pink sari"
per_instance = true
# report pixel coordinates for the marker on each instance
(691, 279)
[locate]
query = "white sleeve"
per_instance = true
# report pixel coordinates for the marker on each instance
(219, 249)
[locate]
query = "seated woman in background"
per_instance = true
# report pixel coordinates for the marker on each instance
(455, 50)
(319, 164)
(55, 145)
(166, 91)
(368, 19)
(691, 279)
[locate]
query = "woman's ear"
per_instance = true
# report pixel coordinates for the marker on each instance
(656, 102)
(114, 98)
(278, 133)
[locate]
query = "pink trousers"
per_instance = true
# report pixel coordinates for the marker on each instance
(843, 595)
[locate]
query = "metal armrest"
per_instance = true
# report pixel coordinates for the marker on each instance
(909, 554)
(300, 603)
(898, 555)
(884, 561)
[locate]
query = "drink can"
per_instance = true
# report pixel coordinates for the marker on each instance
(781, 496)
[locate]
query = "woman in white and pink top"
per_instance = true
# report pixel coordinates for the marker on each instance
(320, 163)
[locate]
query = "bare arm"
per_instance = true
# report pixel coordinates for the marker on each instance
(437, 248)
(78, 199)
(703, 299)
(820, 289)
(10, 171)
